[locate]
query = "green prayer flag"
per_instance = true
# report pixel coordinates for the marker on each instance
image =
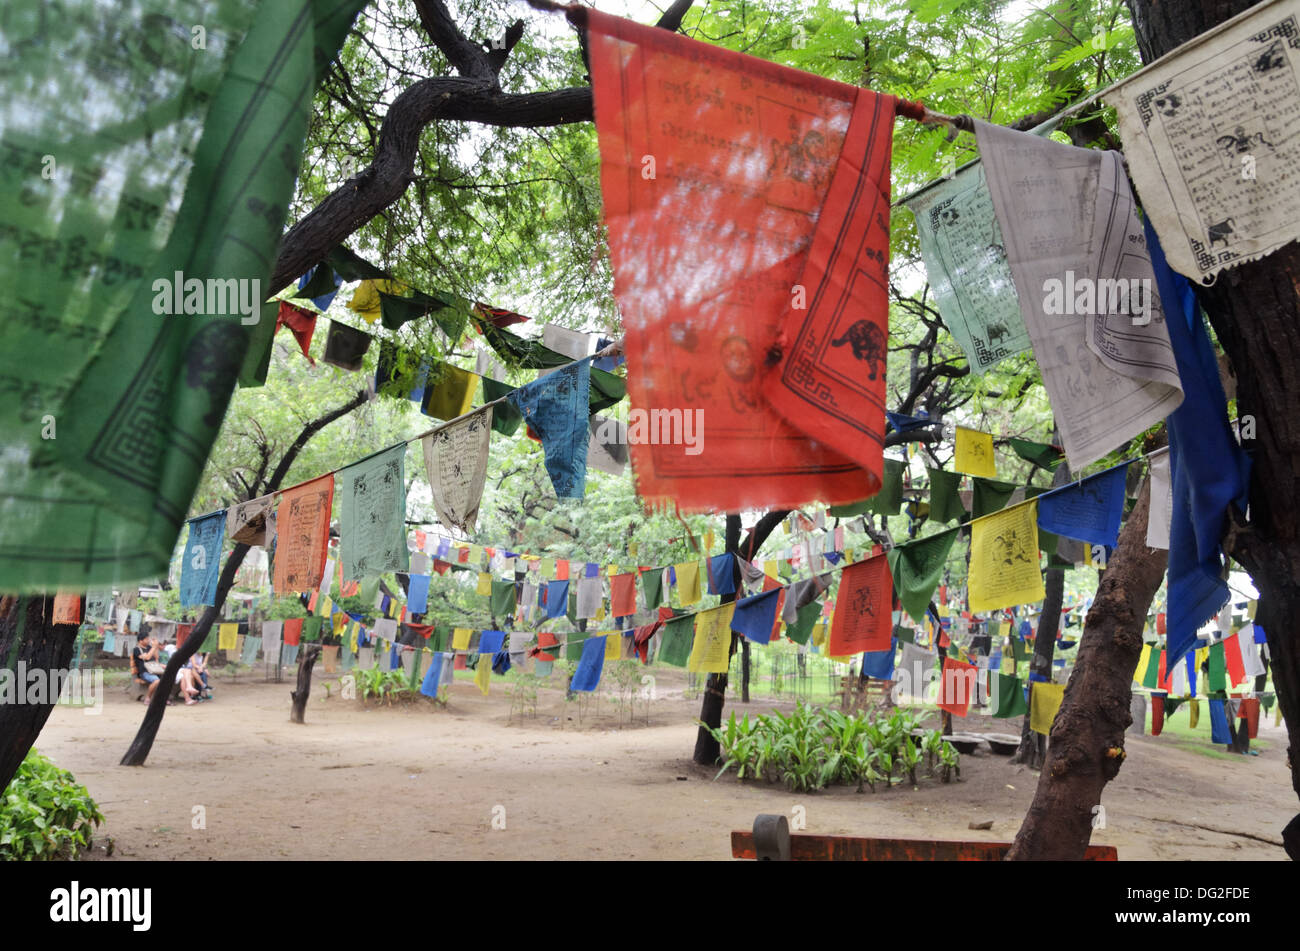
(990, 496)
(1218, 668)
(1151, 678)
(1040, 454)
(440, 638)
(505, 417)
(945, 502)
(572, 612)
(1019, 649)
(889, 499)
(652, 584)
(210, 641)
(372, 518)
(311, 626)
(414, 682)
(1010, 697)
(676, 641)
(503, 599)
(917, 567)
(805, 618)
(606, 390)
(573, 646)
(904, 634)
(175, 169)
(368, 591)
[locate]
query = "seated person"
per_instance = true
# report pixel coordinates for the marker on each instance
(144, 651)
(199, 664)
(189, 683)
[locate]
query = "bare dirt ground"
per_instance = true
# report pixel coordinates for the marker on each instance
(422, 782)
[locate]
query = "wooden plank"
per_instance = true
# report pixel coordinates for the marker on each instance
(848, 848)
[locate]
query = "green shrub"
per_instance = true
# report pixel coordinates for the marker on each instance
(45, 813)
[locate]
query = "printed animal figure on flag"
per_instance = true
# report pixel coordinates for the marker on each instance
(1239, 143)
(1271, 59)
(1220, 231)
(868, 342)
(1010, 548)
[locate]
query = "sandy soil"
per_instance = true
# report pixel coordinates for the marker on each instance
(420, 782)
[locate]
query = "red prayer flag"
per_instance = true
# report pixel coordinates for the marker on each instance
(1160, 623)
(1164, 678)
(301, 323)
(1232, 658)
(747, 205)
(862, 618)
(293, 631)
(498, 317)
(622, 595)
(302, 535)
(957, 686)
(545, 639)
(561, 570)
(1157, 713)
(1249, 709)
(182, 632)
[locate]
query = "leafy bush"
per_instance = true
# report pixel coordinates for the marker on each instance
(45, 813)
(811, 748)
(385, 685)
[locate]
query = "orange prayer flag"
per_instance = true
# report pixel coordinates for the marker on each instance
(747, 205)
(622, 595)
(67, 608)
(863, 621)
(957, 686)
(302, 535)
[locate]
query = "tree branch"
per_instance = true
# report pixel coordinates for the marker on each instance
(466, 57)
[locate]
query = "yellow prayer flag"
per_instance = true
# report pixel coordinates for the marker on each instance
(452, 395)
(772, 568)
(548, 569)
(632, 549)
(1250, 609)
(484, 584)
(1144, 659)
(226, 635)
(708, 541)
(1004, 629)
(711, 651)
(339, 621)
(613, 645)
(475, 554)
(688, 582)
(819, 633)
(352, 637)
(1004, 559)
(943, 610)
(365, 299)
(483, 674)
(600, 612)
(1194, 713)
(612, 570)
(1044, 702)
(1008, 663)
(460, 638)
(323, 605)
(974, 454)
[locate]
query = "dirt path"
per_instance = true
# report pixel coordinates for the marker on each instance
(423, 783)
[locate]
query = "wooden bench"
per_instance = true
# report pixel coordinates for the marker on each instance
(771, 840)
(855, 695)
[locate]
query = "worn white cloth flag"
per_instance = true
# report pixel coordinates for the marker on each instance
(386, 629)
(271, 631)
(1162, 500)
(419, 563)
(248, 522)
(1250, 661)
(915, 670)
(1087, 290)
(487, 365)
(455, 460)
(571, 343)
(590, 594)
(1212, 136)
(607, 446)
(1178, 683)
(966, 261)
(528, 600)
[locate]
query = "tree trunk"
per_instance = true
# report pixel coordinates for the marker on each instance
(707, 749)
(1087, 745)
(1255, 311)
(27, 637)
(300, 696)
(744, 671)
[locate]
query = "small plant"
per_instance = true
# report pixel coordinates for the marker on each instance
(45, 813)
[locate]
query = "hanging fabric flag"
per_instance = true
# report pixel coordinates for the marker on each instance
(557, 597)
(1162, 497)
(1220, 732)
(1008, 697)
(455, 462)
(417, 594)
(367, 299)
(1251, 664)
(555, 407)
(301, 323)
(67, 608)
(863, 620)
(989, 496)
(652, 587)
(312, 624)
(879, 665)
(966, 262)
(1040, 454)
(271, 633)
(505, 418)
(302, 535)
(319, 285)
(1232, 660)
(1089, 510)
(252, 523)
(1207, 468)
(1100, 340)
(483, 673)
(957, 686)
(711, 652)
(916, 568)
(498, 317)
(590, 595)
(756, 616)
(226, 635)
(1044, 703)
(99, 606)
(201, 564)
(373, 515)
(1214, 178)
(1217, 680)
(345, 347)
(945, 501)
(607, 445)
(613, 647)
(678, 638)
(1157, 713)
(438, 675)
(503, 599)
(1004, 559)
(688, 582)
(574, 344)
(452, 393)
(800, 629)
(722, 573)
(592, 661)
(974, 453)
(915, 670)
(730, 251)
(622, 595)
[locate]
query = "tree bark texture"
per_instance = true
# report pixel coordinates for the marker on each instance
(298, 711)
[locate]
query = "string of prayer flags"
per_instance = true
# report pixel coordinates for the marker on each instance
(755, 616)
(966, 263)
(586, 677)
(694, 241)
(1089, 510)
(989, 496)
(1067, 212)
(455, 462)
(346, 347)
(916, 568)
(452, 395)
(1208, 470)
(945, 499)
(1009, 697)
(1004, 559)
(957, 682)
(373, 515)
(974, 453)
(1044, 703)
(201, 563)
(555, 408)
(863, 619)
(1187, 138)
(302, 535)
(711, 652)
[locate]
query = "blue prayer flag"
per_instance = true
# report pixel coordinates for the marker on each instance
(1219, 730)
(201, 566)
(556, 409)
(489, 642)
(1089, 510)
(557, 598)
(879, 665)
(590, 665)
(722, 574)
(417, 594)
(755, 616)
